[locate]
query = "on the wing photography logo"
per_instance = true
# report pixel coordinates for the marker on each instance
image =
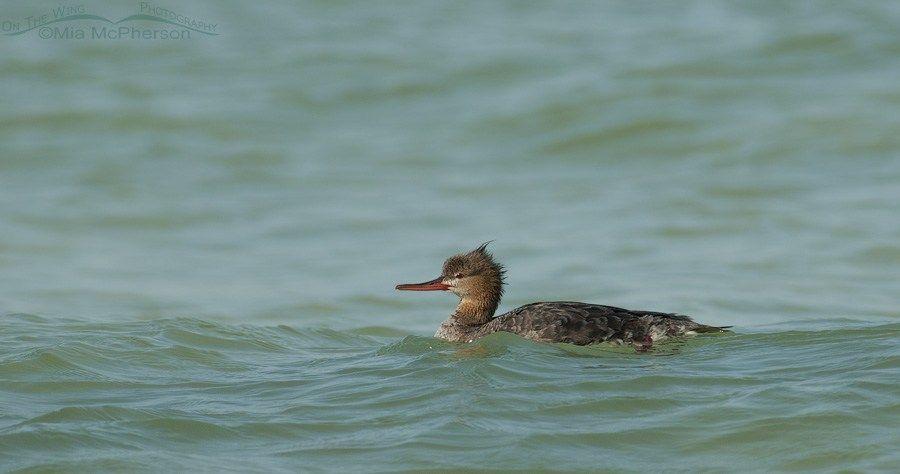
(75, 22)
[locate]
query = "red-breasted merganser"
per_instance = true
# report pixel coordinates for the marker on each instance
(478, 281)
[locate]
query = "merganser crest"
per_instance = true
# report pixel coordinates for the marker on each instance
(478, 281)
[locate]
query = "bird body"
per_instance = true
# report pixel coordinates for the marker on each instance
(478, 280)
(577, 323)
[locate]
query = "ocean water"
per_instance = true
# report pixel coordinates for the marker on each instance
(199, 238)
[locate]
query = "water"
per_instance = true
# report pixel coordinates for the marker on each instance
(199, 239)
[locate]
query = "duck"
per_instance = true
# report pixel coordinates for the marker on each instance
(478, 280)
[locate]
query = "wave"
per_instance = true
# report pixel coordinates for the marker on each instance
(100, 390)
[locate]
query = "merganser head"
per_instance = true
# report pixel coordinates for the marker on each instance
(473, 276)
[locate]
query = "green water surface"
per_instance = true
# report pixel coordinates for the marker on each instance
(199, 238)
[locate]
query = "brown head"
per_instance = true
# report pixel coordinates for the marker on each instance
(473, 276)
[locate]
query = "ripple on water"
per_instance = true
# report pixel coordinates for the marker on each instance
(301, 395)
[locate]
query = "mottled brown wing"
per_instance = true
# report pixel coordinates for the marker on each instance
(584, 323)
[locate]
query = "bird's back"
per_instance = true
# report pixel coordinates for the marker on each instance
(585, 323)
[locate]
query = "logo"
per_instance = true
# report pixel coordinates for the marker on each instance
(75, 22)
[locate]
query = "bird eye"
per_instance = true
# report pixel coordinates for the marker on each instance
(458, 275)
